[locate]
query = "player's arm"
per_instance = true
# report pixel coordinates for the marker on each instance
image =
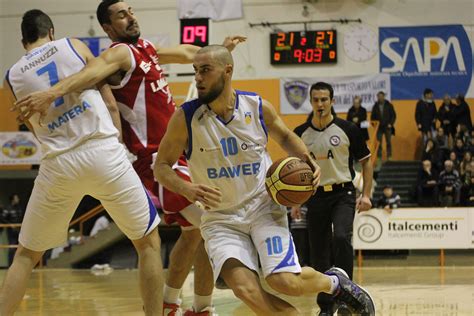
(288, 140)
(184, 54)
(96, 70)
(172, 146)
(11, 100)
(111, 104)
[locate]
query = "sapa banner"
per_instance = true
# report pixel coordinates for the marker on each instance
(19, 148)
(294, 92)
(413, 228)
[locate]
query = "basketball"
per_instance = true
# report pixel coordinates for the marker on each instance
(289, 181)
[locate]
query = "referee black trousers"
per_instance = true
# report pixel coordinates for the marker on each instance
(330, 220)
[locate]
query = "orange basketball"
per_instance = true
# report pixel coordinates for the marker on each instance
(289, 181)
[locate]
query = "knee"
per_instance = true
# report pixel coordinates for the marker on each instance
(150, 242)
(342, 237)
(285, 283)
(27, 256)
(191, 237)
(245, 292)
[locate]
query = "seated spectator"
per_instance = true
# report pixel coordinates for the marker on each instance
(449, 185)
(470, 146)
(467, 172)
(442, 142)
(431, 153)
(454, 158)
(446, 115)
(459, 149)
(470, 197)
(427, 186)
(358, 115)
(465, 165)
(389, 200)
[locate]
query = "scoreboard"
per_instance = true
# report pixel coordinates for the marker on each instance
(308, 47)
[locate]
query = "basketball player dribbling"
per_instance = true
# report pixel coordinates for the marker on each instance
(132, 67)
(81, 156)
(224, 135)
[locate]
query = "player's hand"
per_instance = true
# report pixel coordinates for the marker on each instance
(316, 170)
(207, 196)
(37, 102)
(295, 212)
(231, 41)
(363, 204)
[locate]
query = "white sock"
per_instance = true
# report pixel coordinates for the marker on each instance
(334, 283)
(171, 295)
(201, 302)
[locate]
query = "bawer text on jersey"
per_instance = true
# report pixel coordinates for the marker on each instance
(245, 169)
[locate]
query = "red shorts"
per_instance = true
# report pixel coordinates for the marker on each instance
(171, 203)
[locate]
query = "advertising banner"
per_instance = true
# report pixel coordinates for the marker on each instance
(19, 148)
(437, 57)
(294, 92)
(417, 228)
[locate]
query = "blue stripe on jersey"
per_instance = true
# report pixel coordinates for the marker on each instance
(75, 52)
(189, 108)
(152, 211)
(7, 78)
(289, 259)
(260, 115)
(240, 92)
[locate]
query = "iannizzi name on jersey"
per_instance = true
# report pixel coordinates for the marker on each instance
(32, 64)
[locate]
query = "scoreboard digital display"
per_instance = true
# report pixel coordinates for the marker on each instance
(308, 48)
(195, 32)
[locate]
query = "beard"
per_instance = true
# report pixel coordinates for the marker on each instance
(214, 92)
(130, 39)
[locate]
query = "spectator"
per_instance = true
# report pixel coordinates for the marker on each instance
(432, 153)
(454, 159)
(358, 115)
(466, 176)
(470, 147)
(465, 165)
(449, 185)
(427, 186)
(384, 112)
(299, 231)
(389, 200)
(446, 115)
(470, 196)
(425, 115)
(462, 113)
(13, 214)
(442, 141)
(459, 149)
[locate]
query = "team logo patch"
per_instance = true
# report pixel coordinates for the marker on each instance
(296, 93)
(335, 140)
(248, 117)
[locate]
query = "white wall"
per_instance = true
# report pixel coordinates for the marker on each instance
(71, 18)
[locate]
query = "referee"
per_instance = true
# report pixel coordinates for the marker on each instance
(334, 143)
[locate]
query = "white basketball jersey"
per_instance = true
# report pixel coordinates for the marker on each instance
(70, 120)
(229, 155)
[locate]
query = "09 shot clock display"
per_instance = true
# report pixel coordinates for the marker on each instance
(306, 48)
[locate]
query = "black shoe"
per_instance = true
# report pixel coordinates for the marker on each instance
(357, 299)
(326, 312)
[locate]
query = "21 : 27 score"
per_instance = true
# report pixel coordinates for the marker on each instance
(308, 55)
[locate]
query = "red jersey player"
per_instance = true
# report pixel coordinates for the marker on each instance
(132, 67)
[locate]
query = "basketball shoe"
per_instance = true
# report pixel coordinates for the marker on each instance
(208, 311)
(354, 296)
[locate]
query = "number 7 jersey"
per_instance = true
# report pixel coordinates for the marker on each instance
(231, 155)
(70, 120)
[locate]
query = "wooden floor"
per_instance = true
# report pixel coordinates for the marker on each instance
(397, 291)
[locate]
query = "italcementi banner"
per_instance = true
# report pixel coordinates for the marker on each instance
(294, 92)
(19, 148)
(414, 228)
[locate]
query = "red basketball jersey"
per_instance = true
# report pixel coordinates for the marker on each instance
(144, 99)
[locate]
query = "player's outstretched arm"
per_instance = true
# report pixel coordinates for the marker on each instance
(184, 54)
(96, 70)
(111, 104)
(172, 146)
(11, 99)
(288, 140)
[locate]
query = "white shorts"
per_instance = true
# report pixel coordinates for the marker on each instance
(98, 168)
(256, 231)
